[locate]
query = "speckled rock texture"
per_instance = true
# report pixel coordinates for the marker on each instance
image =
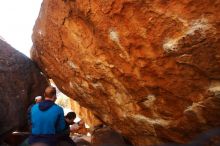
(148, 69)
(86, 115)
(20, 82)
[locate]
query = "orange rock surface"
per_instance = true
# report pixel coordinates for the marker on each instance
(85, 115)
(148, 69)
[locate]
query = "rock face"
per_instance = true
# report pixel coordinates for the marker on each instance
(86, 115)
(148, 69)
(107, 136)
(20, 82)
(83, 113)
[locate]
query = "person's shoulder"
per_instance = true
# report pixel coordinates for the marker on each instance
(34, 105)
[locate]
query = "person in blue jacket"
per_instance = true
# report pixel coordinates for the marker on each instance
(47, 120)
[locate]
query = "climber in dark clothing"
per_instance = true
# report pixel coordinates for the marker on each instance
(69, 120)
(47, 119)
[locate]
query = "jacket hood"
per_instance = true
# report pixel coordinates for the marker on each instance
(45, 105)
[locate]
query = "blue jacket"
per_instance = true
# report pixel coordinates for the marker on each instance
(47, 118)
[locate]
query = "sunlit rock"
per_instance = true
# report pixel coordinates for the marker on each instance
(86, 115)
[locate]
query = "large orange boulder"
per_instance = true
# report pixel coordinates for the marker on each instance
(148, 69)
(20, 82)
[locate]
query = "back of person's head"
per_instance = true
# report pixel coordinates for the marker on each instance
(71, 115)
(50, 92)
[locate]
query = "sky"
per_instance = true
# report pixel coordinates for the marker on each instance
(17, 20)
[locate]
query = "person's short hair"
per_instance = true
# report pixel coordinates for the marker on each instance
(71, 115)
(50, 92)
